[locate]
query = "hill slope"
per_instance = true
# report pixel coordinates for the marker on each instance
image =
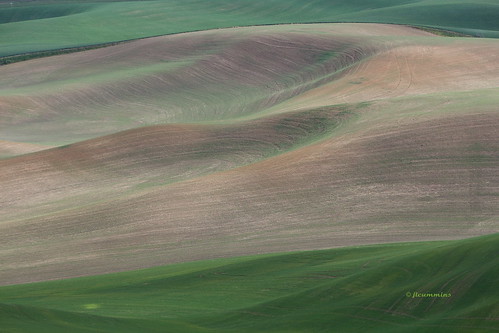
(34, 26)
(364, 134)
(195, 77)
(369, 288)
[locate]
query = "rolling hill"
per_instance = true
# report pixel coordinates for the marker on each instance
(198, 77)
(30, 26)
(249, 166)
(264, 139)
(372, 288)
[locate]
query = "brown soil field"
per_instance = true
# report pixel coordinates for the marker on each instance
(9, 148)
(428, 68)
(400, 145)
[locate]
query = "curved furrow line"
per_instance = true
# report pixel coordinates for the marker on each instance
(151, 156)
(409, 70)
(242, 73)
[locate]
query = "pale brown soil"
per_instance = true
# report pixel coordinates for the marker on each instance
(451, 65)
(418, 161)
(93, 170)
(409, 182)
(9, 148)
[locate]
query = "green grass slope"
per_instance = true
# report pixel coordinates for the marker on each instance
(28, 319)
(367, 288)
(35, 26)
(18, 12)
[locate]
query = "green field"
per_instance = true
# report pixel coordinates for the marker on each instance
(342, 290)
(47, 25)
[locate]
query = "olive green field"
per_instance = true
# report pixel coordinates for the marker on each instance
(346, 290)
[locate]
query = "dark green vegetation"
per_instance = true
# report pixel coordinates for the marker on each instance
(30, 26)
(443, 32)
(343, 290)
(42, 54)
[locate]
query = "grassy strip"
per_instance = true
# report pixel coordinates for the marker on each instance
(443, 32)
(42, 54)
(404, 287)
